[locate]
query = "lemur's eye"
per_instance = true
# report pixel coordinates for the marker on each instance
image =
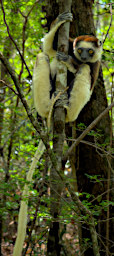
(79, 50)
(91, 51)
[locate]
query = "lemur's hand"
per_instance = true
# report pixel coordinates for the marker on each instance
(65, 16)
(66, 60)
(61, 56)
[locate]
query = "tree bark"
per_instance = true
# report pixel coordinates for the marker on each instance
(53, 246)
(87, 159)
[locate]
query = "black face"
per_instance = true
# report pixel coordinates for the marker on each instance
(85, 53)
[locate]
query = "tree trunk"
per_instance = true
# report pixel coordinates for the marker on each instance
(53, 246)
(88, 160)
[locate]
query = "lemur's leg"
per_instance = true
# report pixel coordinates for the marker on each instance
(49, 38)
(79, 89)
(80, 93)
(42, 85)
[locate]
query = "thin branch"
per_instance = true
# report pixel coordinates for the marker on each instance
(14, 130)
(105, 3)
(99, 196)
(109, 175)
(23, 33)
(109, 51)
(21, 96)
(90, 219)
(104, 245)
(104, 152)
(109, 24)
(10, 36)
(88, 129)
(34, 121)
(9, 86)
(26, 16)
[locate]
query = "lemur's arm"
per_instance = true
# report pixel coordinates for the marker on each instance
(41, 85)
(70, 63)
(49, 38)
(73, 66)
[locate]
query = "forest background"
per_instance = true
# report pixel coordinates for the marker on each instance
(23, 25)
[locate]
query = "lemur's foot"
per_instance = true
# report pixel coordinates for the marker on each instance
(65, 16)
(61, 56)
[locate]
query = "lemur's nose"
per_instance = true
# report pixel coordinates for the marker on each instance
(84, 55)
(83, 58)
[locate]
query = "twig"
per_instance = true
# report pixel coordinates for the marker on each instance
(105, 3)
(109, 177)
(109, 51)
(88, 129)
(23, 34)
(10, 36)
(90, 219)
(34, 122)
(109, 24)
(104, 245)
(96, 198)
(94, 146)
(21, 96)
(9, 86)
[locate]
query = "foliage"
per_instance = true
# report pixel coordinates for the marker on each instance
(103, 18)
(25, 21)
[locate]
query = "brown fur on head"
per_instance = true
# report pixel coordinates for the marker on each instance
(87, 38)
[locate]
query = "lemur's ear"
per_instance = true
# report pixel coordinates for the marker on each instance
(87, 38)
(99, 42)
(74, 42)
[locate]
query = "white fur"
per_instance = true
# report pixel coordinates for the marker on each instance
(96, 56)
(22, 218)
(79, 96)
(48, 40)
(53, 67)
(41, 85)
(80, 93)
